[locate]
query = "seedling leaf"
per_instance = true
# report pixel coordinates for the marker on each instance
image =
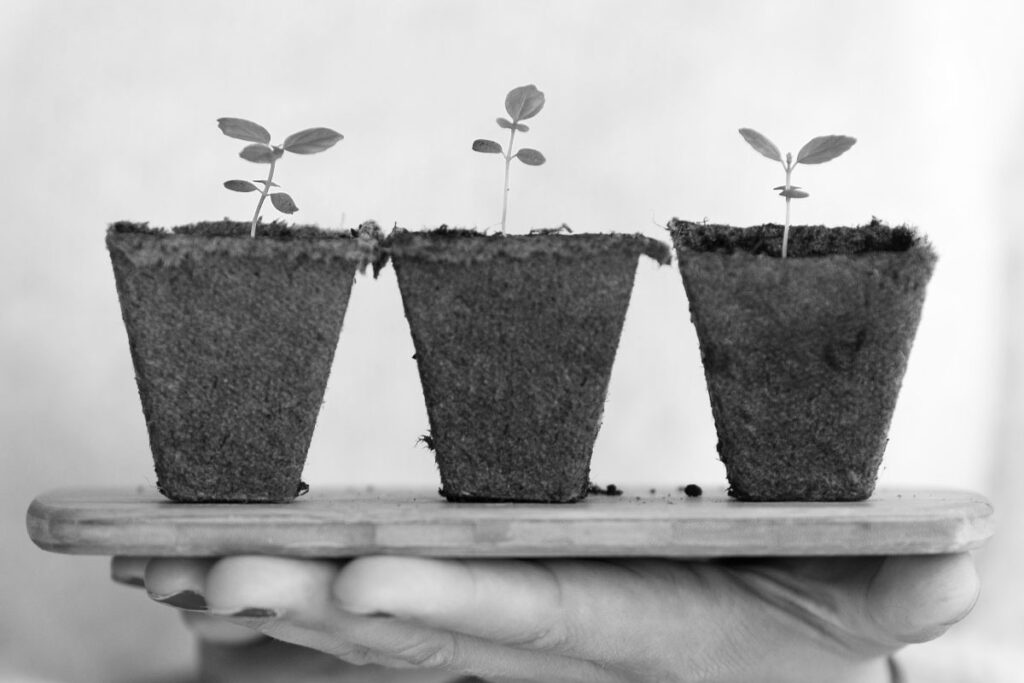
(824, 148)
(793, 193)
(524, 102)
(761, 144)
(244, 130)
(258, 154)
(505, 123)
(240, 186)
(283, 202)
(311, 140)
(487, 147)
(530, 157)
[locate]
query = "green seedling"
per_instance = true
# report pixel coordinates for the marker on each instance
(521, 103)
(817, 151)
(309, 141)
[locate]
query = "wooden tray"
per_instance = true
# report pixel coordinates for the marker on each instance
(642, 522)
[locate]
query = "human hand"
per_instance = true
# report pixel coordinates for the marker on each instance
(787, 620)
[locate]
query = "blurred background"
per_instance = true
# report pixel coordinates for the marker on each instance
(108, 111)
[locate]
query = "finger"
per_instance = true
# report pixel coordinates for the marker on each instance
(285, 598)
(219, 631)
(291, 600)
(396, 643)
(917, 598)
(178, 582)
(129, 571)
(598, 611)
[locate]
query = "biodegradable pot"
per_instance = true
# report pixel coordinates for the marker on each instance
(803, 356)
(232, 340)
(515, 339)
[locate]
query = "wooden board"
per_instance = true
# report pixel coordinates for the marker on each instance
(351, 522)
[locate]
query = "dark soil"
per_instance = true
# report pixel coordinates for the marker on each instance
(803, 356)
(232, 340)
(693, 491)
(609, 490)
(515, 339)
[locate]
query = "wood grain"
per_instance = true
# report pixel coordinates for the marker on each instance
(665, 523)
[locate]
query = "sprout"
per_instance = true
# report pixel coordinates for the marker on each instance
(521, 103)
(817, 151)
(309, 141)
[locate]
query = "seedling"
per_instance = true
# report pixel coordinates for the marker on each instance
(521, 103)
(309, 141)
(817, 151)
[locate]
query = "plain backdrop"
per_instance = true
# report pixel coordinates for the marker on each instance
(108, 111)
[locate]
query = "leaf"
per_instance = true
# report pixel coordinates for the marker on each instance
(505, 123)
(530, 157)
(487, 147)
(761, 144)
(524, 102)
(283, 202)
(240, 186)
(794, 193)
(824, 148)
(311, 140)
(244, 130)
(258, 154)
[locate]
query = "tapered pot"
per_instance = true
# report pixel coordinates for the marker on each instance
(515, 338)
(232, 340)
(803, 356)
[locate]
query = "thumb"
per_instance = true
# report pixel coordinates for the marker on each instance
(916, 598)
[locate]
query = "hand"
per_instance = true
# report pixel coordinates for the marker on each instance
(790, 620)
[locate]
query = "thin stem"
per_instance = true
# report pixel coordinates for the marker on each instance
(508, 163)
(263, 197)
(785, 229)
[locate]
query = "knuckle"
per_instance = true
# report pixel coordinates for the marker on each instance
(554, 636)
(436, 653)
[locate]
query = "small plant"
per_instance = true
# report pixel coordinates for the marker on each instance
(521, 103)
(309, 141)
(817, 151)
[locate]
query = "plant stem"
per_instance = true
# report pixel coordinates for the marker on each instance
(785, 229)
(263, 197)
(508, 163)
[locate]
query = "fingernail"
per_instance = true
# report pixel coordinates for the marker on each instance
(187, 600)
(249, 612)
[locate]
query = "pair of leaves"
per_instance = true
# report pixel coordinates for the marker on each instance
(530, 157)
(505, 123)
(791, 192)
(308, 141)
(282, 201)
(817, 151)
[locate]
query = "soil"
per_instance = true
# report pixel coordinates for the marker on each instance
(804, 356)
(515, 339)
(232, 340)
(693, 491)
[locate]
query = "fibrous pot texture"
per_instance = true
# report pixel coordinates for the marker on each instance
(803, 356)
(232, 340)
(515, 338)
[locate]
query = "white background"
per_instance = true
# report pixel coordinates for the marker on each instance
(108, 112)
